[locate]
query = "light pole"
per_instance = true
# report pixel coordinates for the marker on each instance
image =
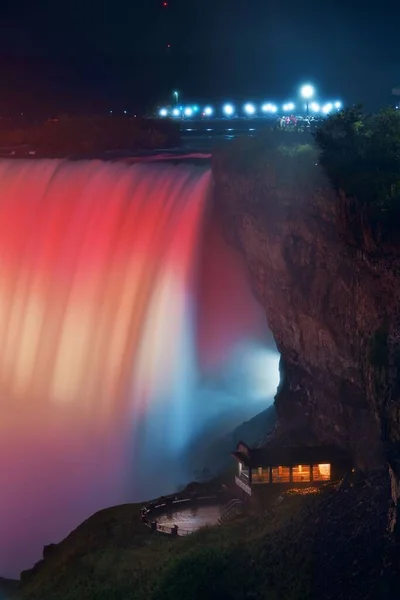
(307, 92)
(176, 96)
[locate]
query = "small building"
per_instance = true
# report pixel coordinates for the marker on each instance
(288, 466)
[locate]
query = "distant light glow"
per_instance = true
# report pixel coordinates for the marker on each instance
(268, 107)
(249, 108)
(228, 110)
(315, 107)
(208, 111)
(176, 112)
(163, 112)
(338, 104)
(327, 108)
(289, 106)
(188, 111)
(307, 91)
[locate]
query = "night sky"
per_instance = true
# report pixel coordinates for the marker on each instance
(95, 55)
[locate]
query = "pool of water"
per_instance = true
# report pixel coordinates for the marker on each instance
(192, 517)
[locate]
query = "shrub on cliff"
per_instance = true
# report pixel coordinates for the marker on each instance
(270, 162)
(361, 156)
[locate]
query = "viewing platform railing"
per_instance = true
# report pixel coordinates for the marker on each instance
(150, 510)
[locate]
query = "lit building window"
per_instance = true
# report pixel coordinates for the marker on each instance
(280, 474)
(301, 473)
(260, 475)
(321, 472)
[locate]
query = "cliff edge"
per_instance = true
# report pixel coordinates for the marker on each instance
(330, 286)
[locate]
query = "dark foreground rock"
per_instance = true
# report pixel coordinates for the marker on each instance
(7, 587)
(330, 545)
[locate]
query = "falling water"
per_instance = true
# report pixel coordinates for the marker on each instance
(99, 369)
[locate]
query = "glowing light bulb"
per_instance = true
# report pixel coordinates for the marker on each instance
(228, 110)
(307, 91)
(327, 108)
(288, 106)
(249, 108)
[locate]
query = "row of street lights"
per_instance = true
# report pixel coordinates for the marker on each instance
(307, 93)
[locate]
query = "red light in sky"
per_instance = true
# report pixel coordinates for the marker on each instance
(165, 4)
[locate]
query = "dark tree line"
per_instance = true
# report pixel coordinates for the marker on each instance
(361, 156)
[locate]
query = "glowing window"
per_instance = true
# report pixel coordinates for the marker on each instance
(280, 474)
(321, 472)
(260, 475)
(301, 473)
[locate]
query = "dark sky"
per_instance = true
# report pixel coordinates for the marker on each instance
(91, 53)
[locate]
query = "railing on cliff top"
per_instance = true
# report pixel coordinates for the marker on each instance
(167, 502)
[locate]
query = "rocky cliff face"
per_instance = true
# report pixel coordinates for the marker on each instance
(331, 296)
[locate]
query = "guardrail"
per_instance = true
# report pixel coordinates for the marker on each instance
(232, 509)
(167, 502)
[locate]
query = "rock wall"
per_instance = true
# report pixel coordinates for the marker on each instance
(331, 296)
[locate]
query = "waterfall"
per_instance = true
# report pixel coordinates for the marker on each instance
(99, 313)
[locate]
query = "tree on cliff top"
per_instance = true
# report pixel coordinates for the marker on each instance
(361, 155)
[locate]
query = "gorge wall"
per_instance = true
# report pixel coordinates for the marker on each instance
(330, 293)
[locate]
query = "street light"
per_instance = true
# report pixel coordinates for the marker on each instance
(288, 107)
(268, 107)
(249, 108)
(228, 110)
(327, 108)
(176, 96)
(307, 92)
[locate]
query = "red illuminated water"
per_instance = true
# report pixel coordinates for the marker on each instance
(99, 368)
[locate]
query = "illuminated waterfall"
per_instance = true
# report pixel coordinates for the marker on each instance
(98, 363)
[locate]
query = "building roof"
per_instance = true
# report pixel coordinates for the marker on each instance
(273, 455)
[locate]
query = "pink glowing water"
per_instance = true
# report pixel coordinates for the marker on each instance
(99, 369)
